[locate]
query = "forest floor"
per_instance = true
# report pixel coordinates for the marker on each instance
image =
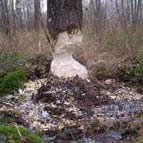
(68, 115)
(75, 110)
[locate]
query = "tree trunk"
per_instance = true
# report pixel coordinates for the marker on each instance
(64, 21)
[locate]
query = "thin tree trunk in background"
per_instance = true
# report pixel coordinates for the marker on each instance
(14, 19)
(5, 17)
(123, 15)
(37, 9)
(132, 11)
(37, 14)
(12, 16)
(118, 12)
(138, 10)
(29, 15)
(140, 15)
(18, 15)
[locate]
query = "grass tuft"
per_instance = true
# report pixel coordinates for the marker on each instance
(11, 134)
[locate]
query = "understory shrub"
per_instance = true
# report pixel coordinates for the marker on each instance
(12, 81)
(9, 62)
(132, 76)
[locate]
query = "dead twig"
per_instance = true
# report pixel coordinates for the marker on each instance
(48, 37)
(18, 131)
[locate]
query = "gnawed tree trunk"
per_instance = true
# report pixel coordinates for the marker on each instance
(64, 21)
(69, 77)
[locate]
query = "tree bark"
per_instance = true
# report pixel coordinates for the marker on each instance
(64, 15)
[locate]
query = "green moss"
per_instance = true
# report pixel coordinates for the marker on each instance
(138, 141)
(11, 133)
(12, 81)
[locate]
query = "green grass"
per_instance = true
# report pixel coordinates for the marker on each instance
(11, 133)
(136, 71)
(133, 76)
(12, 81)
